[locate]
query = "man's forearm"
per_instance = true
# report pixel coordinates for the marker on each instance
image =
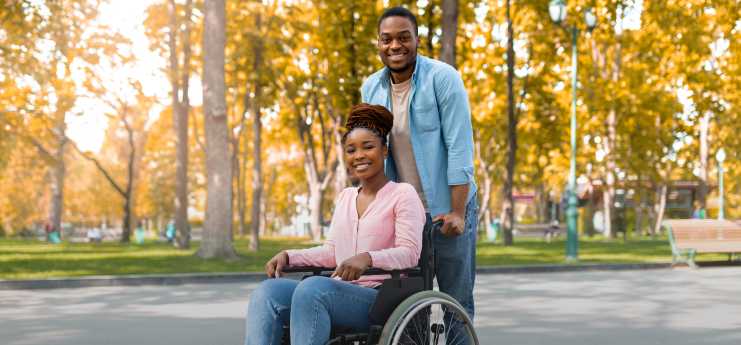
(459, 198)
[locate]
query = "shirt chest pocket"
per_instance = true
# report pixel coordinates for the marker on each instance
(338, 228)
(371, 226)
(426, 117)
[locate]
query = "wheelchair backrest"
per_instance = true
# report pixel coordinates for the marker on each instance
(426, 261)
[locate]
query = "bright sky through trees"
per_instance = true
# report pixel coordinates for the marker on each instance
(88, 130)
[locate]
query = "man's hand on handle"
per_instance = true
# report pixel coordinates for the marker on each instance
(454, 224)
(353, 268)
(274, 267)
(455, 221)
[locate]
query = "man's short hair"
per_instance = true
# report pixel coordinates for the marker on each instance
(399, 12)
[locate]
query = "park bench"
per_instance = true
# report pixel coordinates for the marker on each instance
(533, 230)
(691, 236)
(109, 235)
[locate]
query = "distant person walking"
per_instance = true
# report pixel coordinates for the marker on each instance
(48, 228)
(552, 231)
(696, 212)
(140, 234)
(431, 145)
(170, 232)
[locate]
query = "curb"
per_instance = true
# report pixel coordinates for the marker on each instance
(568, 268)
(256, 277)
(132, 280)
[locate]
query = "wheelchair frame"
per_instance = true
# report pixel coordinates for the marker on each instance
(391, 294)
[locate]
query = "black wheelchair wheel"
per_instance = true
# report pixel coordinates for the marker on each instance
(429, 318)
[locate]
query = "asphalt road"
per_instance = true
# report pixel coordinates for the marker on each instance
(617, 307)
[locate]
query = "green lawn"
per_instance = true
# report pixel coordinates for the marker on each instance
(31, 259)
(535, 251)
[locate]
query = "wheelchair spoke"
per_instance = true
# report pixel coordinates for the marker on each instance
(445, 327)
(453, 319)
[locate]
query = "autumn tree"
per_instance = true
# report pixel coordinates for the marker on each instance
(217, 226)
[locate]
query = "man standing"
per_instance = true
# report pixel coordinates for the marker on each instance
(431, 145)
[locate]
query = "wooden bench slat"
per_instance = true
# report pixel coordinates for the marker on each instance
(703, 236)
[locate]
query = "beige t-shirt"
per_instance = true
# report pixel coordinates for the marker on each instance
(401, 140)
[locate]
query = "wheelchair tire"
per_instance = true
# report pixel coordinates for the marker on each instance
(434, 304)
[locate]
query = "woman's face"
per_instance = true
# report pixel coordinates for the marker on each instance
(364, 153)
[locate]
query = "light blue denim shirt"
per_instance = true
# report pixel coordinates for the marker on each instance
(440, 128)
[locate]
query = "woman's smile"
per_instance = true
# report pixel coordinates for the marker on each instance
(362, 167)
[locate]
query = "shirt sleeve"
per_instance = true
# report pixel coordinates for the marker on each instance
(455, 119)
(322, 256)
(409, 222)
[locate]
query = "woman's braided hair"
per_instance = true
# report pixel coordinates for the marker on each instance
(375, 118)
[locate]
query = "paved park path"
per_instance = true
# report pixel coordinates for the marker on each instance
(624, 307)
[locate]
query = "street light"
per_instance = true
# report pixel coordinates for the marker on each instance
(557, 10)
(720, 156)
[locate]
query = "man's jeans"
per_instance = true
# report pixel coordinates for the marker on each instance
(311, 307)
(455, 264)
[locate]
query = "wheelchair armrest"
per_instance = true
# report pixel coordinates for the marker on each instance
(313, 269)
(369, 272)
(394, 273)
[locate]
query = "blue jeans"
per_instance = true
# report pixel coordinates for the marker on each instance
(311, 307)
(455, 264)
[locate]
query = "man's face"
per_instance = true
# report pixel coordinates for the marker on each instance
(397, 43)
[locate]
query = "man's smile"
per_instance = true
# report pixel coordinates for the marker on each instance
(397, 56)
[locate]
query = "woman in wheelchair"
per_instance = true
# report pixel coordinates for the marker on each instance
(377, 225)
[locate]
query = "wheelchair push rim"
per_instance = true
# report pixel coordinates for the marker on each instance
(433, 305)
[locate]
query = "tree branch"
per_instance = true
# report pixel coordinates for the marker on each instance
(43, 151)
(100, 167)
(195, 131)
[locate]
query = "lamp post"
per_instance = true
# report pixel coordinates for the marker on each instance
(720, 156)
(557, 10)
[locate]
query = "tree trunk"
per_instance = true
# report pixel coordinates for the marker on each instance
(219, 217)
(704, 125)
(316, 196)
(486, 185)
(541, 203)
(257, 151)
(126, 228)
(609, 191)
(638, 211)
(56, 186)
(588, 218)
(662, 200)
(652, 211)
(180, 124)
(450, 32)
(429, 11)
(241, 198)
(264, 203)
(508, 202)
(256, 179)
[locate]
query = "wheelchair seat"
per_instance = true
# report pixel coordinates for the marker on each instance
(399, 301)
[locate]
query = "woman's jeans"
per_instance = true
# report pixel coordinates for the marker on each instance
(311, 307)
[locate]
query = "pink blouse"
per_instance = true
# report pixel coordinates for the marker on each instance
(390, 231)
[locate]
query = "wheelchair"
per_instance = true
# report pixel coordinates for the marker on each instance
(406, 311)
